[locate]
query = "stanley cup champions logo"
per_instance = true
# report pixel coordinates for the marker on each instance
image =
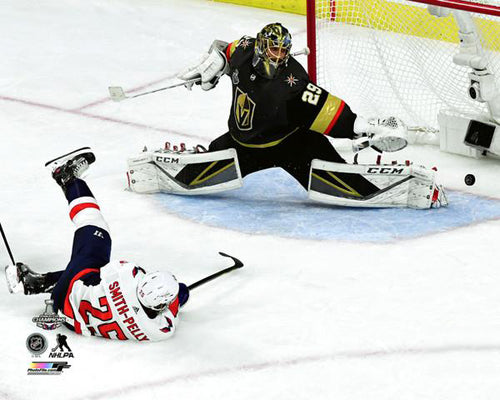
(244, 108)
(49, 319)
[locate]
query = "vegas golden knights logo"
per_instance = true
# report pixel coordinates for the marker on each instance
(244, 108)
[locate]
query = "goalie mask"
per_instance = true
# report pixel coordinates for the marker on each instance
(157, 290)
(272, 50)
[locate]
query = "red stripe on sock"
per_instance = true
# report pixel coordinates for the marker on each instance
(79, 207)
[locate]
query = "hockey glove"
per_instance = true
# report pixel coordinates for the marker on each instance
(388, 134)
(209, 69)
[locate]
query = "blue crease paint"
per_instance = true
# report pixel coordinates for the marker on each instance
(272, 203)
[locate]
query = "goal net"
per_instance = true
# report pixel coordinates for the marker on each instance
(392, 57)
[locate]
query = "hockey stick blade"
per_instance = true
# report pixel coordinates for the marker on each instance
(237, 264)
(116, 93)
(7, 245)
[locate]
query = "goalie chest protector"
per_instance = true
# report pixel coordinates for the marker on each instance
(260, 107)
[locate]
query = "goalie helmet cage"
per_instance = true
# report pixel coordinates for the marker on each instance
(392, 57)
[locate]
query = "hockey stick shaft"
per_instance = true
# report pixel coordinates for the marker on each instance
(7, 245)
(185, 83)
(237, 264)
(117, 94)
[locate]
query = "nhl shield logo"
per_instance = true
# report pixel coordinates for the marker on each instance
(244, 108)
(36, 343)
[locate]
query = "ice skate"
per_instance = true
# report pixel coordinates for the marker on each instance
(20, 278)
(70, 166)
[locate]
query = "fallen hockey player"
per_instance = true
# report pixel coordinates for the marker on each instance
(279, 118)
(112, 299)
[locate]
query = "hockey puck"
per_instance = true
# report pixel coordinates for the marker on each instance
(470, 179)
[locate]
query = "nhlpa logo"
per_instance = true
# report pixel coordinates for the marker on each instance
(61, 350)
(244, 108)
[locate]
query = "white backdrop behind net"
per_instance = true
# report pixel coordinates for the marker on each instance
(394, 58)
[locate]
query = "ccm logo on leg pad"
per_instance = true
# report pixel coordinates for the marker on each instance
(167, 160)
(385, 170)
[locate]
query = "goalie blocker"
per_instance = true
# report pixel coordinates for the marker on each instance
(163, 171)
(396, 185)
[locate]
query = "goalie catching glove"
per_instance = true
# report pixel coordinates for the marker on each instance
(210, 68)
(384, 134)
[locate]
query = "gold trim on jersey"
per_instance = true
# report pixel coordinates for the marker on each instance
(199, 178)
(264, 145)
(326, 114)
(346, 189)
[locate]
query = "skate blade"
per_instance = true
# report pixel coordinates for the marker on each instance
(13, 283)
(71, 153)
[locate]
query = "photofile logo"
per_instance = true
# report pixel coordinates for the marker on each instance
(47, 368)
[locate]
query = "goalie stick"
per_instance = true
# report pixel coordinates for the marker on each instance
(237, 264)
(116, 93)
(7, 245)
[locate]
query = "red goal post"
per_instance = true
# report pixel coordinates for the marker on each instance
(392, 57)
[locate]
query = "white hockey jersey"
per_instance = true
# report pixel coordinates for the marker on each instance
(111, 308)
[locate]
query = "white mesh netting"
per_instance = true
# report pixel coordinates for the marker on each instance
(394, 58)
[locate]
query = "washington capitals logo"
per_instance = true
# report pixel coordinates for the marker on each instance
(291, 80)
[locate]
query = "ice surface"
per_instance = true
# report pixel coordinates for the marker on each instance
(272, 202)
(305, 319)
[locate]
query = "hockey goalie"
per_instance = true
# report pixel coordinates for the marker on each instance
(279, 118)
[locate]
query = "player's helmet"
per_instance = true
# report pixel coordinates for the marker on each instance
(157, 290)
(272, 50)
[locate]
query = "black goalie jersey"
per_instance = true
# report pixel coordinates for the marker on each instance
(265, 111)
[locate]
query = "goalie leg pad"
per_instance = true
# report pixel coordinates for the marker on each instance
(184, 173)
(375, 185)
